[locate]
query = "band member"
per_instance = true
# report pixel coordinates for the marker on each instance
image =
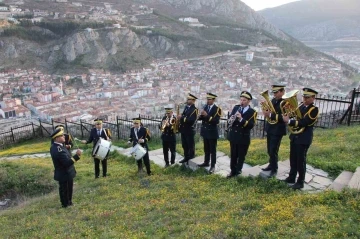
(300, 142)
(68, 139)
(242, 120)
(187, 128)
(95, 134)
(168, 136)
(64, 166)
(210, 117)
(140, 135)
(275, 129)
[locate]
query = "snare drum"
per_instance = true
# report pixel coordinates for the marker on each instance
(138, 152)
(101, 149)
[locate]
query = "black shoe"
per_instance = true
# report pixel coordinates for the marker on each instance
(297, 186)
(289, 180)
(231, 175)
(268, 168)
(184, 161)
(172, 162)
(167, 165)
(273, 173)
(212, 169)
(203, 165)
(149, 173)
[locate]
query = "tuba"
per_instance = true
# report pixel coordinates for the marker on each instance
(268, 106)
(289, 106)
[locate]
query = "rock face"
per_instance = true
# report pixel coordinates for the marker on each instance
(233, 10)
(317, 20)
(125, 48)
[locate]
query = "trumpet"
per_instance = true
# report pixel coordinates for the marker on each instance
(268, 106)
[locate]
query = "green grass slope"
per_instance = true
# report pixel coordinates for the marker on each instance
(178, 203)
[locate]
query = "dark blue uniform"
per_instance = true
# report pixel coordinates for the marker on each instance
(239, 137)
(300, 143)
(210, 132)
(187, 129)
(142, 133)
(274, 134)
(64, 171)
(95, 135)
(168, 138)
(68, 141)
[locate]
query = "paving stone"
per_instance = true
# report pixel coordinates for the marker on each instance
(317, 186)
(285, 163)
(320, 172)
(219, 154)
(308, 188)
(157, 160)
(251, 172)
(341, 181)
(308, 177)
(156, 152)
(281, 177)
(322, 180)
(354, 182)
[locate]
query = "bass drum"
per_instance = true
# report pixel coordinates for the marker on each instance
(138, 152)
(101, 149)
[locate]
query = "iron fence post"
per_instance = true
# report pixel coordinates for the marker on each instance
(117, 126)
(81, 129)
(351, 107)
(12, 134)
(32, 124)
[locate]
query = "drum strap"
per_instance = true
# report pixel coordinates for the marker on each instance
(136, 133)
(105, 133)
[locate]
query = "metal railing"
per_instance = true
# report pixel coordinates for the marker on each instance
(334, 111)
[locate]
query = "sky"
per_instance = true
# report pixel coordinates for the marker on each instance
(261, 4)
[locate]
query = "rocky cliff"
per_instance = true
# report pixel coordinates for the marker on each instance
(317, 20)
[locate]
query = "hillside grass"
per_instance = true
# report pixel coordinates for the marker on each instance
(332, 150)
(178, 203)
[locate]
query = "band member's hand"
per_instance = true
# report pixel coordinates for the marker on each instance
(238, 115)
(67, 146)
(141, 141)
(78, 152)
(167, 124)
(129, 142)
(266, 113)
(83, 141)
(286, 118)
(203, 113)
(178, 117)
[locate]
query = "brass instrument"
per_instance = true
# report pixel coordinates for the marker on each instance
(290, 107)
(268, 106)
(163, 126)
(177, 122)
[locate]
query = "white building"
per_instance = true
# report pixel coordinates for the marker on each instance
(249, 56)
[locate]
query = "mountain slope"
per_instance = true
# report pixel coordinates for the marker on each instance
(317, 19)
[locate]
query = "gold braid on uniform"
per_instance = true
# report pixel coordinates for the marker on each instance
(219, 111)
(312, 118)
(254, 116)
(147, 133)
(108, 132)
